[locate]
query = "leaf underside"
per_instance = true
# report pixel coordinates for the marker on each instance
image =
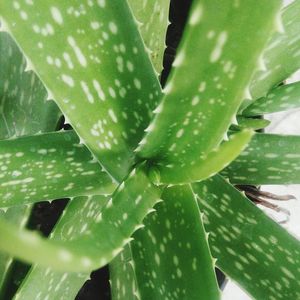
(250, 248)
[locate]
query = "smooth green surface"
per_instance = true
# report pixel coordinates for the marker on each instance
(282, 54)
(48, 166)
(253, 250)
(282, 98)
(119, 219)
(170, 254)
(249, 123)
(196, 112)
(91, 58)
(79, 218)
(269, 159)
(209, 165)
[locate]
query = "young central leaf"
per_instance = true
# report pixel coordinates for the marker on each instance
(91, 58)
(207, 86)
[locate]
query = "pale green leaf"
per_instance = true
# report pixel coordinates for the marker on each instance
(79, 217)
(269, 159)
(119, 219)
(152, 18)
(48, 166)
(282, 55)
(206, 166)
(281, 98)
(93, 61)
(196, 112)
(250, 248)
(249, 123)
(170, 254)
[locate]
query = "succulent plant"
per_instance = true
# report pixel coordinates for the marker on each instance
(150, 171)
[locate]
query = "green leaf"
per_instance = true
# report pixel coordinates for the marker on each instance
(281, 98)
(209, 165)
(282, 55)
(92, 60)
(48, 166)
(250, 123)
(79, 218)
(152, 18)
(120, 218)
(250, 248)
(24, 110)
(170, 254)
(195, 113)
(269, 159)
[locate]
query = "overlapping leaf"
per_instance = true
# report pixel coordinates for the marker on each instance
(281, 57)
(195, 114)
(281, 98)
(24, 110)
(79, 218)
(269, 159)
(92, 60)
(99, 245)
(48, 166)
(252, 249)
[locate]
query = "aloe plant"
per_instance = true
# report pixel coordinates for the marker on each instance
(149, 170)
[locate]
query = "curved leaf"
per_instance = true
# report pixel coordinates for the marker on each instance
(250, 248)
(48, 166)
(282, 98)
(92, 60)
(282, 55)
(269, 159)
(195, 113)
(207, 166)
(119, 219)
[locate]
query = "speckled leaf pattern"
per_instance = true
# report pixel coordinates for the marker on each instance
(282, 55)
(42, 283)
(171, 254)
(261, 256)
(49, 166)
(281, 98)
(23, 110)
(269, 159)
(120, 218)
(152, 17)
(194, 115)
(209, 165)
(92, 60)
(123, 277)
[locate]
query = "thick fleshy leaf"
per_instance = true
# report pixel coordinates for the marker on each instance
(250, 123)
(152, 18)
(120, 218)
(196, 112)
(282, 98)
(48, 166)
(24, 110)
(92, 60)
(79, 217)
(207, 166)
(282, 55)
(269, 159)
(250, 248)
(170, 254)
